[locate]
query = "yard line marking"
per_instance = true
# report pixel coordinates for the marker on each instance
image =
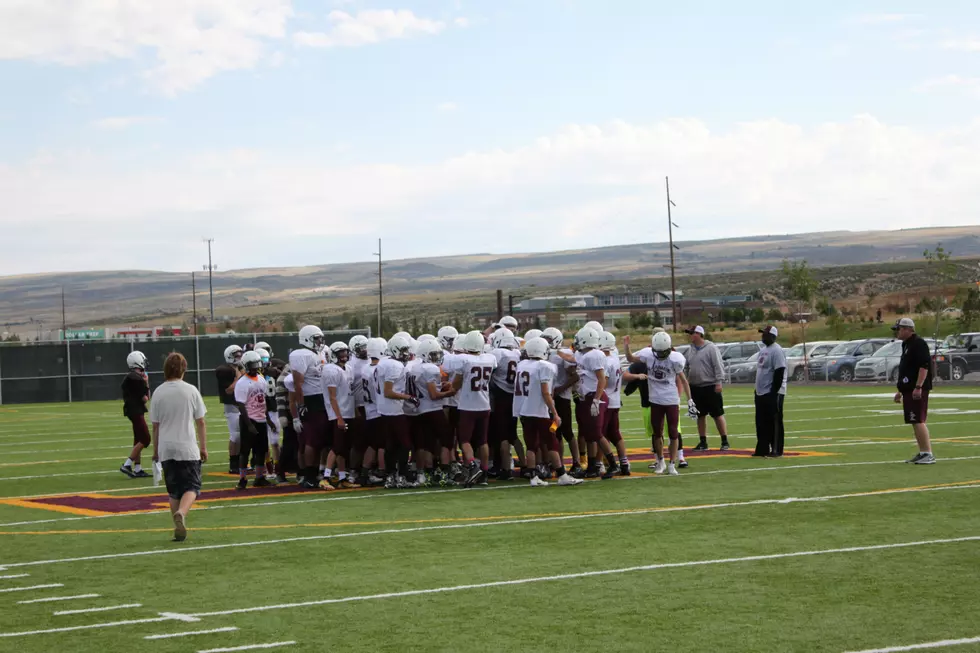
(51, 599)
(14, 576)
(248, 647)
(590, 574)
(70, 629)
(111, 471)
(531, 520)
(266, 504)
(32, 587)
(915, 647)
(107, 608)
(226, 629)
(132, 488)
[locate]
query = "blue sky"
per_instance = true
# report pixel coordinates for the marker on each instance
(310, 128)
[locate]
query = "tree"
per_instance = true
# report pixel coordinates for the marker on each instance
(622, 324)
(757, 315)
(738, 315)
(640, 320)
(774, 315)
(836, 322)
(939, 262)
(971, 310)
(289, 324)
(825, 308)
(799, 283)
(655, 320)
(354, 322)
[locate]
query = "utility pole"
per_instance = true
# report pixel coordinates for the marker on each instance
(194, 301)
(673, 277)
(380, 290)
(210, 268)
(64, 333)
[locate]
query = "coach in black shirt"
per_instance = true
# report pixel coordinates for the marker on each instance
(914, 384)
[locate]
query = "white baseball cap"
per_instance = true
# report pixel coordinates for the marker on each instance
(698, 329)
(773, 331)
(904, 322)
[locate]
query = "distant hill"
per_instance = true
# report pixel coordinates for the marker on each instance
(95, 296)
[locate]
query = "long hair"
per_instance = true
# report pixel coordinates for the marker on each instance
(175, 367)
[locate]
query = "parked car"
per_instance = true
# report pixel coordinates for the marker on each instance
(738, 352)
(795, 362)
(959, 355)
(745, 372)
(838, 364)
(883, 364)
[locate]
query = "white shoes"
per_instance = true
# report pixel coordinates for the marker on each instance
(537, 482)
(569, 480)
(672, 471)
(661, 467)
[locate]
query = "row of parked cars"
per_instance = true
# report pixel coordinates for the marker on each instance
(867, 359)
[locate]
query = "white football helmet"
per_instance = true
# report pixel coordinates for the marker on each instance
(430, 351)
(252, 361)
(554, 337)
(339, 352)
(586, 338)
(413, 346)
(595, 326)
(446, 336)
(503, 339)
(400, 348)
(311, 337)
(537, 348)
(404, 334)
(136, 361)
(376, 348)
(264, 355)
(426, 336)
(265, 346)
(358, 345)
(607, 341)
(233, 354)
(509, 322)
(533, 333)
(661, 344)
(473, 342)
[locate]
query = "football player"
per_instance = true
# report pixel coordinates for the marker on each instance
(290, 455)
(136, 393)
(250, 392)
(614, 376)
(310, 418)
(503, 426)
(665, 372)
(374, 462)
(390, 385)
(269, 373)
(471, 380)
(448, 338)
(565, 379)
(226, 375)
(433, 390)
(539, 416)
(358, 364)
(338, 394)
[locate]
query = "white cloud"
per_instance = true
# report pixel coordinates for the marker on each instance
(883, 18)
(446, 107)
(950, 81)
(369, 27)
(758, 177)
(963, 44)
(124, 122)
(189, 40)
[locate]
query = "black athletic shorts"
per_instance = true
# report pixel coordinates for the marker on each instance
(182, 476)
(707, 400)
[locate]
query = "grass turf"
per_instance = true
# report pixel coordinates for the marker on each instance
(378, 545)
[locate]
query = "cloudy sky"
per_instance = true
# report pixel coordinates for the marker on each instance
(299, 131)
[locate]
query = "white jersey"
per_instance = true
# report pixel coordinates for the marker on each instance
(662, 376)
(250, 391)
(422, 375)
(587, 365)
(448, 362)
(394, 371)
(561, 378)
(531, 375)
(310, 365)
(289, 383)
(358, 367)
(410, 388)
(369, 390)
(476, 370)
(506, 371)
(614, 381)
(340, 378)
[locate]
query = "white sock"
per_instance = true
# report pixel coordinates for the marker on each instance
(137, 467)
(342, 475)
(128, 463)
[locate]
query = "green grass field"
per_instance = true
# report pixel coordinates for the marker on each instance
(842, 549)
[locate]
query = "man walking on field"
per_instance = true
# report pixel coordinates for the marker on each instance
(176, 413)
(706, 373)
(914, 384)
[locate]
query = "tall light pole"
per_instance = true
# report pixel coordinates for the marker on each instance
(380, 290)
(210, 270)
(673, 269)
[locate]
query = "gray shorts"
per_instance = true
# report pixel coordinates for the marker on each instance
(182, 476)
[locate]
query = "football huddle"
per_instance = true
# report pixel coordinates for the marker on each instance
(437, 410)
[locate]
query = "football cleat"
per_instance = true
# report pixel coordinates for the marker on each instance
(347, 484)
(660, 467)
(592, 472)
(180, 529)
(325, 485)
(262, 481)
(702, 446)
(682, 463)
(624, 469)
(129, 472)
(242, 483)
(612, 471)
(472, 472)
(576, 472)
(568, 479)
(141, 474)
(672, 471)
(725, 446)
(537, 482)
(926, 459)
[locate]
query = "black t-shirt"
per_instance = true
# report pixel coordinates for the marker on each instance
(638, 367)
(915, 356)
(226, 375)
(134, 388)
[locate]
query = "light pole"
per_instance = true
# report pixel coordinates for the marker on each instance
(210, 268)
(673, 268)
(380, 290)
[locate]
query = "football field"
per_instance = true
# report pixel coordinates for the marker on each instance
(838, 546)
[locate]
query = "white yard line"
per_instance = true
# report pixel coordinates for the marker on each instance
(916, 647)
(31, 588)
(107, 608)
(226, 629)
(71, 629)
(133, 488)
(248, 647)
(11, 577)
(52, 599)
(505, 522)
(112, 471)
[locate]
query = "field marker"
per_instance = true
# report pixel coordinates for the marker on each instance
(590, 574)
(507, 522)
(226, 629)
(186, 618)
(32, 587)
(107, 608)
(71, 629)
(249, 647)
(915, 647)
(51, 599)
(11, 577)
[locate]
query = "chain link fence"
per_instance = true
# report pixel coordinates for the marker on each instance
(88, 370)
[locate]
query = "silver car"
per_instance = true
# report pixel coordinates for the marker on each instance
(795, 362)
(883, 364)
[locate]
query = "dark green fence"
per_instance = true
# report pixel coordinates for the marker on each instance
(88, 370)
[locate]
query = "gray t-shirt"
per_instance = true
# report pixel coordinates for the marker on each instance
(771, 358)
(175, 407)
